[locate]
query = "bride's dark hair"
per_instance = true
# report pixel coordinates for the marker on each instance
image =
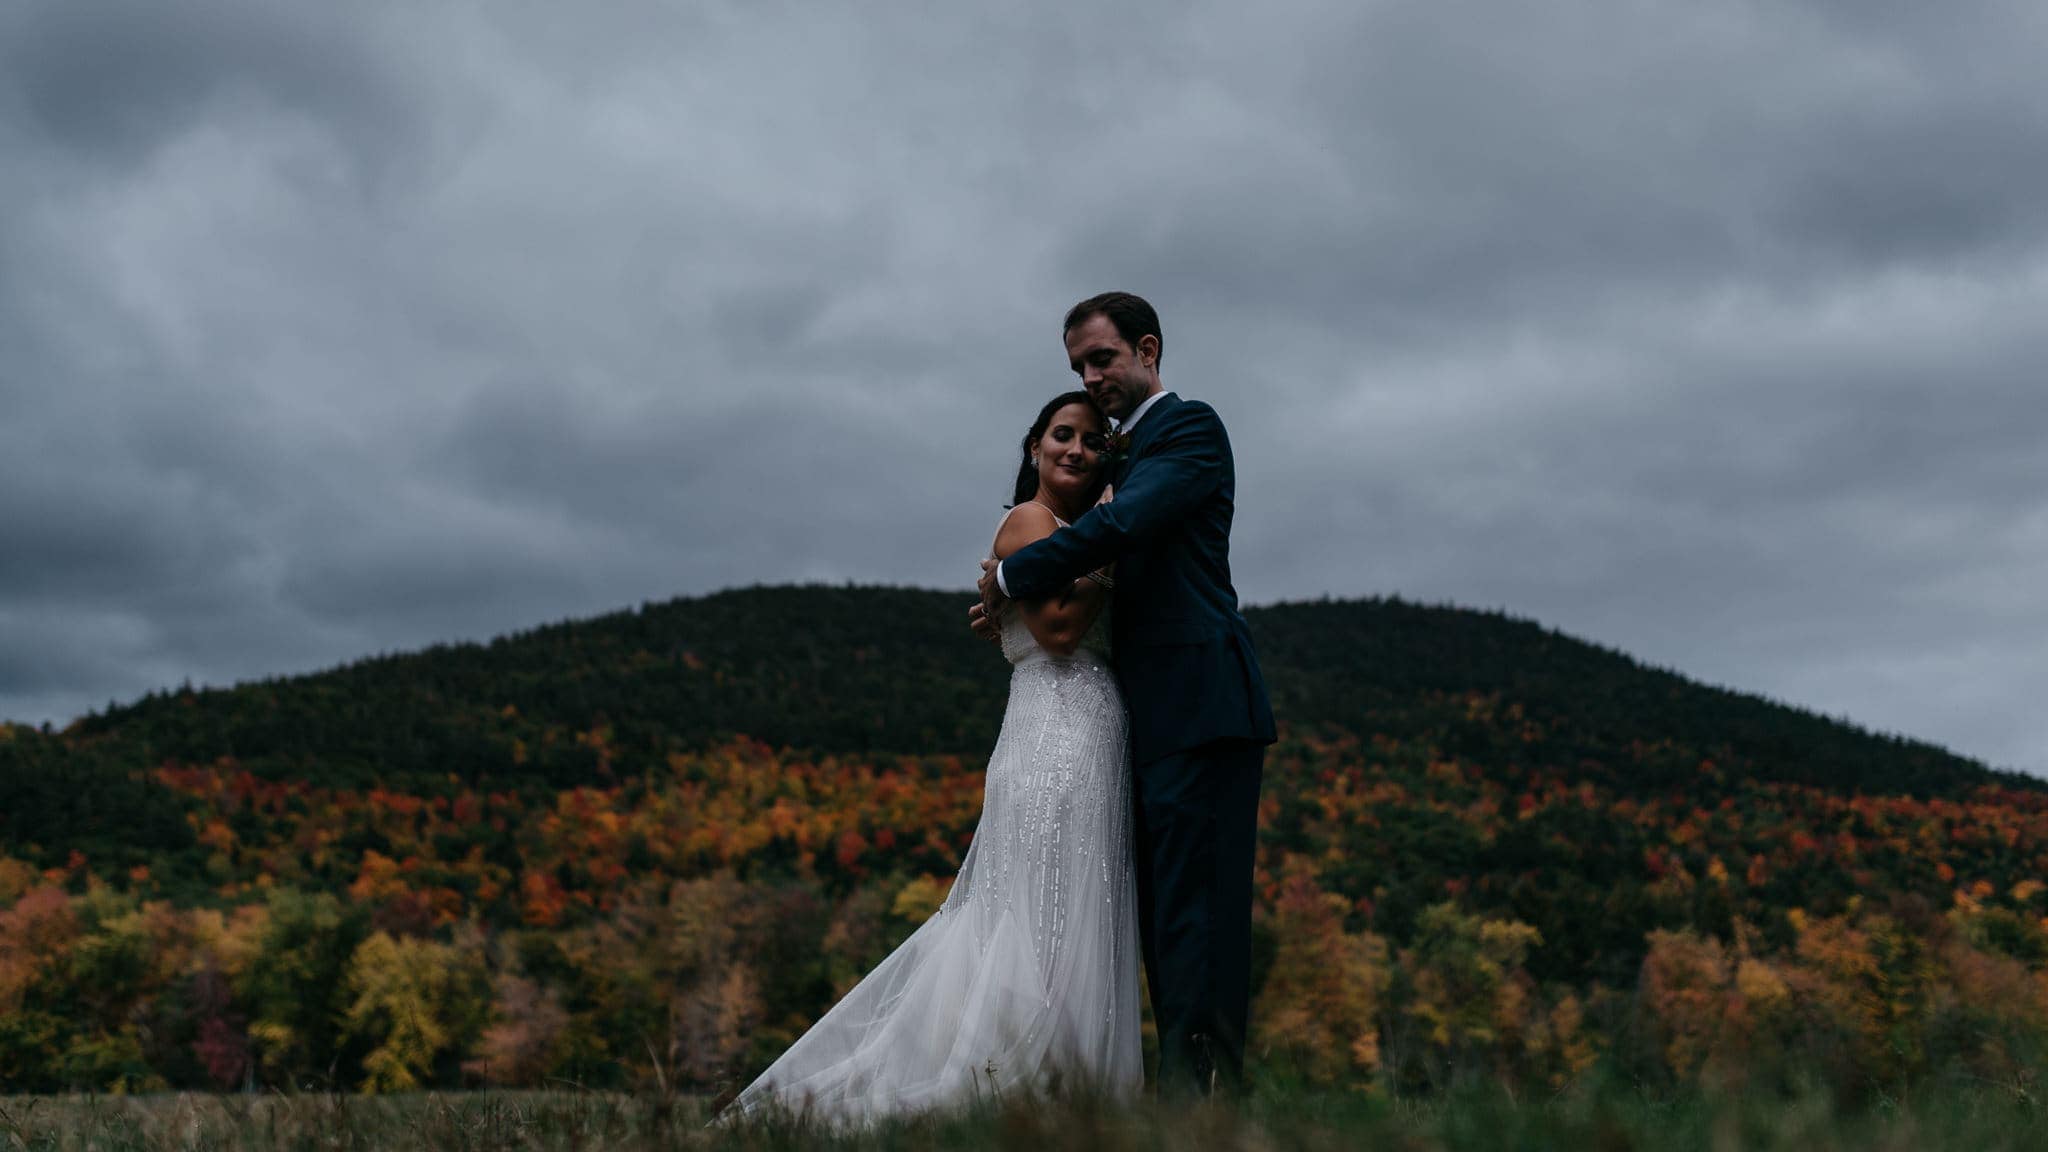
(1027, 473)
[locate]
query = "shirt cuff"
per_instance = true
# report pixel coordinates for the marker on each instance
(999, 580)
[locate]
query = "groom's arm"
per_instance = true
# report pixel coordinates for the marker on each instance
(1179, 470)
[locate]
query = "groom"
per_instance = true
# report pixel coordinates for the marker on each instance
(1199, 716)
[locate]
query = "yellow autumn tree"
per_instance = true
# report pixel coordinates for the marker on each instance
(916, 901)
(413, 1000)
(1469, 996)
(1557, 1048)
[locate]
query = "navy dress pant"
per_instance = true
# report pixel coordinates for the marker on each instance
(1196, 821)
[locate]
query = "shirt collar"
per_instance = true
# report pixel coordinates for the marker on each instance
(1129, 422)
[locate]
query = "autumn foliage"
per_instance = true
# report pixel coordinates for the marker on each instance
(1479, 871)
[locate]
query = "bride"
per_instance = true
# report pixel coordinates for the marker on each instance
(1026, 978)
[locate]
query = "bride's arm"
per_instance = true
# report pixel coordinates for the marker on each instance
(1060, 620)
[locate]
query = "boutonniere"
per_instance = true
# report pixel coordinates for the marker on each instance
(1115, 447)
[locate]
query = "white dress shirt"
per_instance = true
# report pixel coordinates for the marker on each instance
(1131, 422)
(1123, 426)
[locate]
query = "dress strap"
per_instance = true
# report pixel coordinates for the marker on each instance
(1013, 511)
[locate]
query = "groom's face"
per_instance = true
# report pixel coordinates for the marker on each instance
(1116, 375)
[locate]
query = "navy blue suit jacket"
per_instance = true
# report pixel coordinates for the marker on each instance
(1183, 654)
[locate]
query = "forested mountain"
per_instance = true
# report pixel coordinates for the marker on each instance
(667, 837)
(876, 671)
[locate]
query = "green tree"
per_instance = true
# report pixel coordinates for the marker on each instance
(294, 985)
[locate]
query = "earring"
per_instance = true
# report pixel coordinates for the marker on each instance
(1034, 461)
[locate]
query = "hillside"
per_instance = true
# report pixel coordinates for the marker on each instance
(785, 777)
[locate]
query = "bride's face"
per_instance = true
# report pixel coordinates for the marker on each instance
(1070, 452)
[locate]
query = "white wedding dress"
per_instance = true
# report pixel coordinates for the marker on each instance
(1026, 978)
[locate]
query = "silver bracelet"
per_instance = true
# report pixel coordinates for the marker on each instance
(1099, 578)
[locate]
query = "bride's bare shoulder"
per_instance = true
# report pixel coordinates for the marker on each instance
(1027, 522)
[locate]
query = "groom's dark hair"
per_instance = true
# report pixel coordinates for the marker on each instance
(1133, 317)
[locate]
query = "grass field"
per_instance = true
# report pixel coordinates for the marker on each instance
(1478, 1120)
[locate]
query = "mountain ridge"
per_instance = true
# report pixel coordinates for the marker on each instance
(1389, 608)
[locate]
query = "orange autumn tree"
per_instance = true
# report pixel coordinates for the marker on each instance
(1713, 1010)
(1318, 1011)
(1870, 981)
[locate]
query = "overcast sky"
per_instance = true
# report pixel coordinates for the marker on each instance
(1711, 332)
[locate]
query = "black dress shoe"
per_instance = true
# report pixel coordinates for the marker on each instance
(1203, 1063)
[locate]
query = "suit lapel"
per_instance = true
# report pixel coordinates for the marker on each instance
(1149, 425)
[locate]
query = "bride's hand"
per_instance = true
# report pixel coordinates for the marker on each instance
(989, 623)
(985, 626)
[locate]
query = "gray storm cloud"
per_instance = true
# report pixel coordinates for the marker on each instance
(1709, 333)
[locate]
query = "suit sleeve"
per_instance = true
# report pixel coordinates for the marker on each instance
(1178, 471)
